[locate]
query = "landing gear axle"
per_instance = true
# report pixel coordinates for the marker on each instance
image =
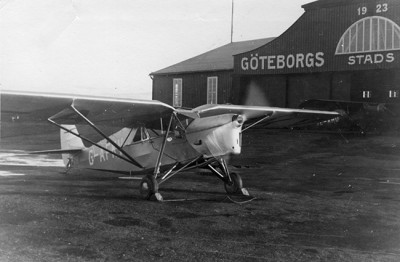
(149, 188)
(235, 186)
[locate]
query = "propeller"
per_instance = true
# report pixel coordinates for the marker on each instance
(255, 95)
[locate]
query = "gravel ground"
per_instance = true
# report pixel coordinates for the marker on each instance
(317, 197)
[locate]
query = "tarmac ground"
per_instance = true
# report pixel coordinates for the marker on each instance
(315, 197)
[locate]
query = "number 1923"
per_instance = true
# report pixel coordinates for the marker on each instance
(380, 8)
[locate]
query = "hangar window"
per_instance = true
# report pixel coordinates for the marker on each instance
(394, 94)
(177, 92)
(212, 90)
(366, 94)
(370, 34)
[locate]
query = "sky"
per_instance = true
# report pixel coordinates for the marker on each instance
(109, 47)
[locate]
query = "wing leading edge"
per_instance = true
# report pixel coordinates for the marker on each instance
(100, 110)
(277, 117)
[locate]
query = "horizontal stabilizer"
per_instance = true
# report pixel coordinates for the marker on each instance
(57, 151)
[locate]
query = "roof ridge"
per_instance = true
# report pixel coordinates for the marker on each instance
(221, 58)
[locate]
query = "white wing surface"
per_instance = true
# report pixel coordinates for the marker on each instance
(277, 117)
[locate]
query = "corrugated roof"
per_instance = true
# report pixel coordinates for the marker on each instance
(217, 59)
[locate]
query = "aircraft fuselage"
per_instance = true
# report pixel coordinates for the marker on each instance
(208, 137)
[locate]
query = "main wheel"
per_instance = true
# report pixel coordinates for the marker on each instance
(234, 186)
(148, 187)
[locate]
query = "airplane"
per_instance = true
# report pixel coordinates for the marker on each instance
(148, 136)
(362, 116)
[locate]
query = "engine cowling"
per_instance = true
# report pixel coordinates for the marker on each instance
(216, 135)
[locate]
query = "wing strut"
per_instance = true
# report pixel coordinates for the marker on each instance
(131, 160)
(259, 121)
(88, 140)
(158, 163)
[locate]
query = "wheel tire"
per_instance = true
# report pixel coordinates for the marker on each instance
(148, 187)
(235, 186)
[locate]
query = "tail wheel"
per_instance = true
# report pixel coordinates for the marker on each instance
(234, 186)
(68, 166)
(148, 187)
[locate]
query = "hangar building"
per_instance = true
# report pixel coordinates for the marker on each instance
(204, 79)
(338, 49)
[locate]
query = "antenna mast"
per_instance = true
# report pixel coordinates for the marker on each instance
(232, 24)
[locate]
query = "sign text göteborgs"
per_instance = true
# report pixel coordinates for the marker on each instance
(271, 62)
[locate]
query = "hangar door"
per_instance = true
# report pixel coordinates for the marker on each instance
(307, 86)
(376, 86)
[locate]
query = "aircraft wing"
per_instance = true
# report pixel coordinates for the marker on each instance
(352, 108)
(115, 112)
(277, 117)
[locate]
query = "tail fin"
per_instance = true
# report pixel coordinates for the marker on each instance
(70, 141)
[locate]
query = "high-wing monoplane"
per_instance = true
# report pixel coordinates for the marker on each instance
(151, 136)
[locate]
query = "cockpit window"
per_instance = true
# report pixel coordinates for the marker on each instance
(138, 136)
(144, 133)
(141, 134)
(153, 133)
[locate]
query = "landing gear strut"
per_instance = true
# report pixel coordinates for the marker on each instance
(232, 181)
